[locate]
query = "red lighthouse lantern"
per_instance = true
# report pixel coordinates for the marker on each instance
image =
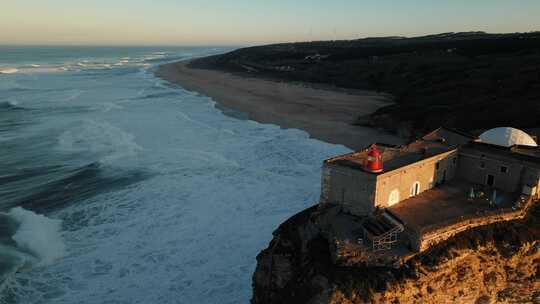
(373, 162)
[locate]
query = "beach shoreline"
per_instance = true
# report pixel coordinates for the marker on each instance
(325, 114)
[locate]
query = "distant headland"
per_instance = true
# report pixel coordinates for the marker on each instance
(471, 81)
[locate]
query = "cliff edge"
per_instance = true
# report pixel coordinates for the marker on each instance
(498, 263)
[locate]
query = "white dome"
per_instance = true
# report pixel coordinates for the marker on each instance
(507, 137)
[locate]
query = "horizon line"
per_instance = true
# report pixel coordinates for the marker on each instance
(243, 44)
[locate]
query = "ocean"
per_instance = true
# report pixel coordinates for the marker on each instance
(118, 187)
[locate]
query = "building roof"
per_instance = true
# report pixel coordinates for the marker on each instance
(508, 143)
(524, 153)
(395, 157)
(450, 136)
(507, 137)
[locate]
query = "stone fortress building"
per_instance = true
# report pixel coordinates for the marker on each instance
(419, 194)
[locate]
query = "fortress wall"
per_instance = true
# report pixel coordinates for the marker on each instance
(470, 169)
(353, 189)
(422, 240)
(425, 172)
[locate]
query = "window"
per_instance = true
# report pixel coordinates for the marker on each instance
(490, 180)
(394, 197)
(415, 189)
(454, 160)
(482, 165)
(504, 169)
(437, 165)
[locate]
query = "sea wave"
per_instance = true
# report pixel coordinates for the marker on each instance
(159, 95)
(10, 105)
(122, 62)
(52, 188)
(155, 57)
(8, 70)
(28, 239)
(38, 235)
(100, 139)
(89, 65)
(33, 69)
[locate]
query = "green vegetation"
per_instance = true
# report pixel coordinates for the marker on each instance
(465, 80)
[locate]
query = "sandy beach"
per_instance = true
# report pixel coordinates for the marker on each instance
(325, 114)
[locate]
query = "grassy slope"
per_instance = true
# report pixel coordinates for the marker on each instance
(465, 80)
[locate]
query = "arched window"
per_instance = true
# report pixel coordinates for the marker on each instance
(394, 197)
(415, 189)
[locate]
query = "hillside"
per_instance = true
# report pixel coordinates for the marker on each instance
(467, 80)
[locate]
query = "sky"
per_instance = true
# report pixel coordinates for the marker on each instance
(250, 22)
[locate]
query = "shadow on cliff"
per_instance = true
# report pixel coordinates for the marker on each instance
(498, 262)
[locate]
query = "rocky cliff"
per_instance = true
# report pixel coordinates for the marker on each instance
(499, 263)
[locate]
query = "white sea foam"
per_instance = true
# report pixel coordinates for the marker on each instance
(12, 102)
(39, 235)
(190, 232)
(101, 139)
(38, 69)
(89, 65)
(108, 106)
(73, 95)
(8, 70)
(155, 56)
(122, 62)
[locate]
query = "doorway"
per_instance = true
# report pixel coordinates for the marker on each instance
(490, 180)
(443, 180)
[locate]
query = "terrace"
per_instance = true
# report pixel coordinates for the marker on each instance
(450, 203)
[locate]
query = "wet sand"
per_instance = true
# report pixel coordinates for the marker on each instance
(325, 114)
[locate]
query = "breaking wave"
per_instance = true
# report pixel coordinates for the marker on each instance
(38, 235)
(8, 70)
(98, 138)
(10, 105)
(33, 69)
(159, 95)
(28, 239)
(159, 225)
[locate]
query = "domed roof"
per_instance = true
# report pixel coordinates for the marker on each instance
(507, 137)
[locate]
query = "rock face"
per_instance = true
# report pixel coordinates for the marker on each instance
(498, 263)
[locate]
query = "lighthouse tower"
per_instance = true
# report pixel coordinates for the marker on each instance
(373, 162)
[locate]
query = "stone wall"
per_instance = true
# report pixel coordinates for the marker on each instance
(426, 172)
(353, 189)
(474, 166)
(430, 236)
